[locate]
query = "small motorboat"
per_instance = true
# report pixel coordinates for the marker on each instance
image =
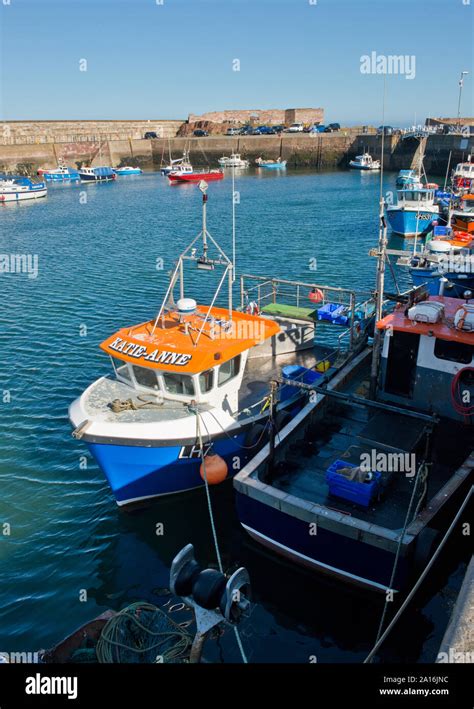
(234, 160)
(278, 164)
(127, 170)
(365, 162)
(178, 165)
(15, 189)
(97, 174)
(195, 176)
(62, 173)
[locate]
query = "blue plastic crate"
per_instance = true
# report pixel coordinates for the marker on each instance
(299, 374)
(333, 312)
(340, 486)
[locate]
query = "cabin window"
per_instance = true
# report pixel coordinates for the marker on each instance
(453, 351)
(228, 370)
(121, 369)
(401, 365)
(145, 377)
(206, 381)
(181, 384)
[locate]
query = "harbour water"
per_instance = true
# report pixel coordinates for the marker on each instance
(104, 254)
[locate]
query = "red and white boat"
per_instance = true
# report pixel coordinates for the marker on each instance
(195, 176)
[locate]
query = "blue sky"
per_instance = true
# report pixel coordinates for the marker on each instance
(151, 60)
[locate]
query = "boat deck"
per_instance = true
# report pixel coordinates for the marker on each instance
(255, 387)
(345, 433)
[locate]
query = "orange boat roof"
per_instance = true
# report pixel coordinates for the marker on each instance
(172, 346)
(444, 329)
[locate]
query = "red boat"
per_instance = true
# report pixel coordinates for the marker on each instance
(196, 176)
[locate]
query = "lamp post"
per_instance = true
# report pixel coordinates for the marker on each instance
(461, 84)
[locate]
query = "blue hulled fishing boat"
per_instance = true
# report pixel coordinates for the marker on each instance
(194, 381)
(408, 178)
(415, 210)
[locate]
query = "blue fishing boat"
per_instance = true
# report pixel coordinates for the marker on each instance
(17, 189)
(195, 380)
(97, 174)
(408, 178)
(127, 170)
(62, 173)
(415, 210)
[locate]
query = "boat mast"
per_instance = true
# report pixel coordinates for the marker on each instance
(382, 246)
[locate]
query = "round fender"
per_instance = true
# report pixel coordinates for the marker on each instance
(187, 576)
(208, 588)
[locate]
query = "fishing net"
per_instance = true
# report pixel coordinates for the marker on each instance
(143, 633)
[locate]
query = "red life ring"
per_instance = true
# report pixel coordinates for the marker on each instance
(463, 236)
(316, 295)
(252, 308)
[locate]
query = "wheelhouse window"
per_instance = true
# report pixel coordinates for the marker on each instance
(228, 370)
(181, 384)
(145, 377)
(453, 351)
(121, 369)
(206, 381)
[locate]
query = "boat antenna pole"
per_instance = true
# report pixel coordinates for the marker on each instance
(233, 223)
(380, 271)
(203, 188)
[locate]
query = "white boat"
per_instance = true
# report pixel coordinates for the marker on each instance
(234, 160)
(179, 165)
(14, 189)
(127, 170)
(365, 162)
(463, 177)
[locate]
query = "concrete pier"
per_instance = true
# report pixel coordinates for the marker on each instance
(458, 642)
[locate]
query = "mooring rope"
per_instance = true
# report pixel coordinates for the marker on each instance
(408, 519)
(420, 580)
(213, 525)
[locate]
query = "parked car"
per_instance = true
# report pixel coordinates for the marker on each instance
(246, 130)
(264, 130)
(232, 131)
(317, 128)
(296, 128)
(279, 129)
(387, 130)
(150, 135)
(332, 128)
(199, 133)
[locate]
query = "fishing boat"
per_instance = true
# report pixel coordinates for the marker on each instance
(364, 162)
(408, 178)
(195, 176)
(127, 170)
(16, 189)
(462, 213)
(277, 164)
(97, 174)
(62, 173)
(362, 482)
(463, 177)
(182, 165)
(415, 210)
(234, 160)
(194, 380)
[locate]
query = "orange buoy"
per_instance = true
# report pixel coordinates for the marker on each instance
(216, 469)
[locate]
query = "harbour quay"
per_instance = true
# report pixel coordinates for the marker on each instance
(26, 146)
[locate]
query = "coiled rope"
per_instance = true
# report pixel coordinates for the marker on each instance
(143, 633)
